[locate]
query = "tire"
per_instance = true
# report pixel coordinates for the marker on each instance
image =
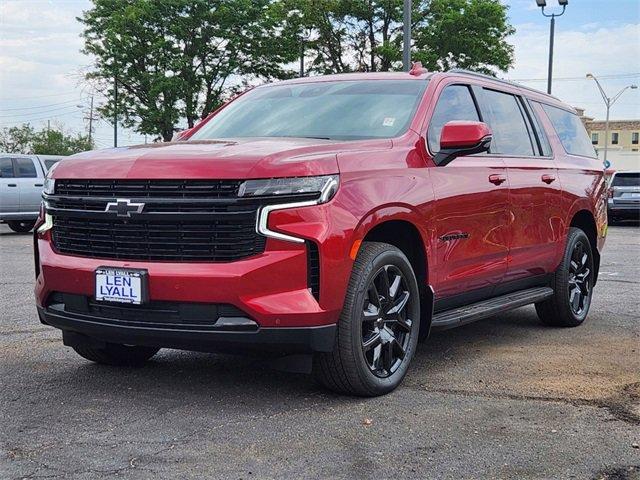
(117, 355)
(21, 226)
(572, 284)
(378, 327)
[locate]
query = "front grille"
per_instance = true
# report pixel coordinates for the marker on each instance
(217, 241)
(182, 220)
(149, 188)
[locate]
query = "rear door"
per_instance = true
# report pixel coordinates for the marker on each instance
(9, 193)
(29, 178)
(472, 209)
(535, 195)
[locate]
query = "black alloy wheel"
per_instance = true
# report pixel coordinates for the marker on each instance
(378, 328)
(579, 290)
(386, 327)
(572, 283)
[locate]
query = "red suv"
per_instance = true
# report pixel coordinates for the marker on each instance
(340, 216)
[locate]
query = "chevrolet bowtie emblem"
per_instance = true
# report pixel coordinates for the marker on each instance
(123, 207)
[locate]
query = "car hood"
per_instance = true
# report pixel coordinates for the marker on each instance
(219, 159)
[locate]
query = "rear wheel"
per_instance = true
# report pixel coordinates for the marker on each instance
(21, 226)
(116, 354)
(378, 327)
(572, 283)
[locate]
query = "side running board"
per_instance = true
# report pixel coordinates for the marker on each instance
(487, 308)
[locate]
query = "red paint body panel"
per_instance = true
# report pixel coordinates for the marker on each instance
(476, 233)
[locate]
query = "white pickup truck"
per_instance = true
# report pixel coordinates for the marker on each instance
(21, 183)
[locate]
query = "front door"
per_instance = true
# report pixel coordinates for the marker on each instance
(9, 193)
(472, 210)
(30, 184)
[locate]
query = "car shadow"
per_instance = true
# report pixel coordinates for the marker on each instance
(197, 378)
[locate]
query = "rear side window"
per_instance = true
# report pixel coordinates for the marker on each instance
(626, 179)
(25, 168)
(6, 168)
(571, 131)
(505, 117)
(455, 103)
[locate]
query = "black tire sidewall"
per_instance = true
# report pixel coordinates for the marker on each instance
(17, 226)
(562, 278)
(391, 256)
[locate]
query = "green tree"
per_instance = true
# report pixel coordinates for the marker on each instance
(180, 58)
(17, 139)
(25, 139)
(366, 35)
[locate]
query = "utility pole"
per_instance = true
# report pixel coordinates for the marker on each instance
(90, 118)
(608, 102)
(115, 110)
(406, 47)
(301, 56)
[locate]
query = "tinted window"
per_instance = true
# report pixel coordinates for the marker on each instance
(545, 146)
(345, 110)
(50, 163)
(25, 168)
(455, 103)
(571, 132)
(504, 116)
(626, 180)
(6, 168)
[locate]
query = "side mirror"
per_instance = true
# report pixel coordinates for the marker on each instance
(459, 138)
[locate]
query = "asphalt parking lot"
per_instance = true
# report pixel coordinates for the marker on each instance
(502, 398)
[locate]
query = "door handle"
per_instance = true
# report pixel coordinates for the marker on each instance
(497, 179)
(548, 179)
(39, 185)
(11, 185)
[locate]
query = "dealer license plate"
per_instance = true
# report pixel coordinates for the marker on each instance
(121, 285)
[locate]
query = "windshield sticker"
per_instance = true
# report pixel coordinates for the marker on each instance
(388, 121)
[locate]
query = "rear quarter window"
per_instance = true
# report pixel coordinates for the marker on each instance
(571, 132)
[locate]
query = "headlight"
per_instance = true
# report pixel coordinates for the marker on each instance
(50, 183)
(49, 186)
(325, 186)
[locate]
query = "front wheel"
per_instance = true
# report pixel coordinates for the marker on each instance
(378, 328)
(572, 284)
(21, 226)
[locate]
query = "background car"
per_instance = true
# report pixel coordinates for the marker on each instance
(624, 197)
(21, 184)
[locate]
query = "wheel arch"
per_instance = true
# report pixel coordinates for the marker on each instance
(585, 221)
(403, 234)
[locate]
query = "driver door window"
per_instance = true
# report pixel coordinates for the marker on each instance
(455, 103)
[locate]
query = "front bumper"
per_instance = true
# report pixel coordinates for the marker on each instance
(82, 328)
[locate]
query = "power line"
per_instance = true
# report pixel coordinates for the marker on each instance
(611, 77)
(57, 109)
(29, 120)
(73, 92)
(37, 106)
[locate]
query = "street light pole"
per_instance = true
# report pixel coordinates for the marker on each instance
(552, 29)
(406, 47)
(608, 102)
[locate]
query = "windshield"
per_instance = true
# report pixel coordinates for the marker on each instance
(343, 110)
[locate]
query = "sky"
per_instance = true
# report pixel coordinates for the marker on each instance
(41, 63)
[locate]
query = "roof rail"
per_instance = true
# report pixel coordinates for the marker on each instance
(501, 80)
